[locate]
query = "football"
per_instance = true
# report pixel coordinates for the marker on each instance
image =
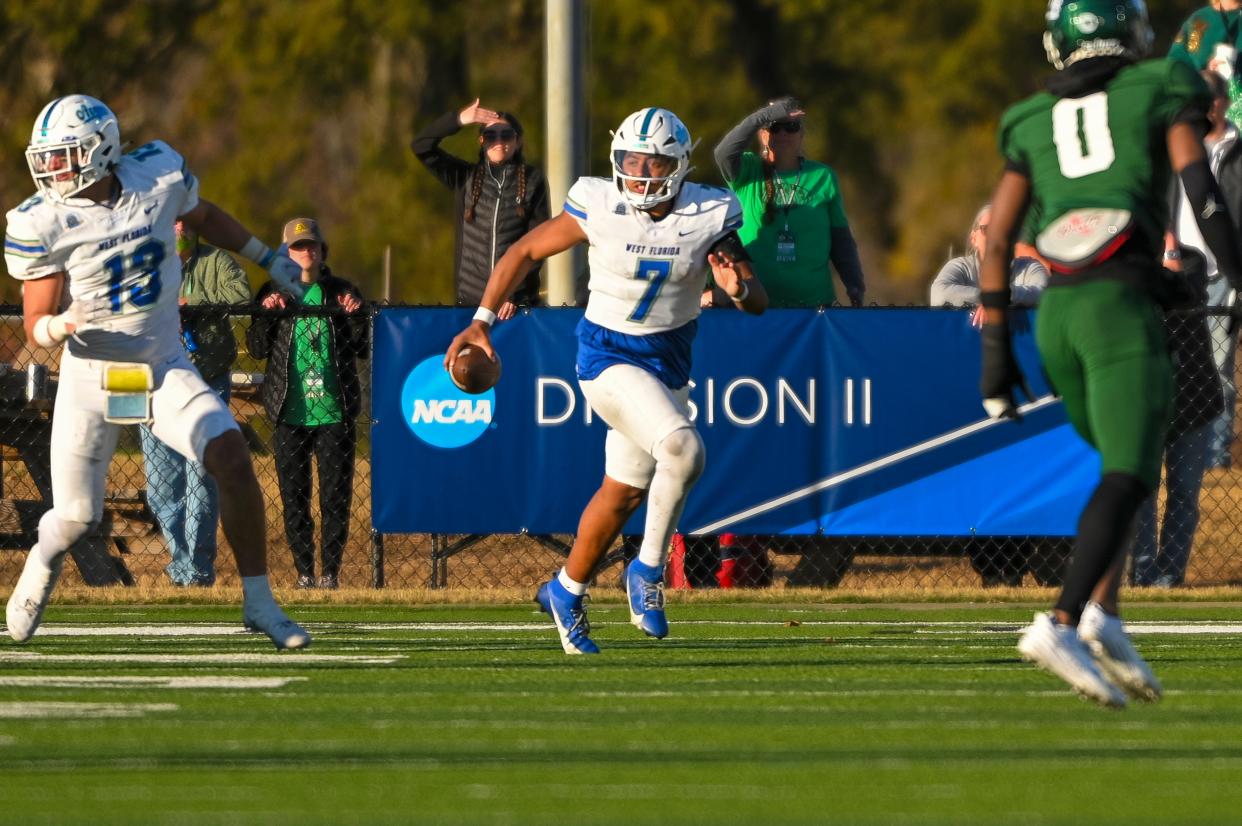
(473, 371)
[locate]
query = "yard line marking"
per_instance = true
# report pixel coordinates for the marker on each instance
(289, 658)
(933, 627)
(26, 710)
(75, 681)
(141, 630)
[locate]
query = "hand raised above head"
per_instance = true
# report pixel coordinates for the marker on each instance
(474, 113)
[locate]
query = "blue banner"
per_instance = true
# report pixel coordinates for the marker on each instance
(843, 422)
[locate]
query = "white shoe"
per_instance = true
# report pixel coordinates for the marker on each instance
(1057, 649)
(1106, 638)
(31, 595)
(283, 632)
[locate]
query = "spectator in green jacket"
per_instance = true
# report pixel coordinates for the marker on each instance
(181, 494)
(1210, 39)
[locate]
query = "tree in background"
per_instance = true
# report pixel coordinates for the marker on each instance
(307, 106)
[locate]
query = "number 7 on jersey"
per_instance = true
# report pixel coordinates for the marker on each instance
(655, 273)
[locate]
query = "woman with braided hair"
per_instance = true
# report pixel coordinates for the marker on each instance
(795, 228)
(499, 198)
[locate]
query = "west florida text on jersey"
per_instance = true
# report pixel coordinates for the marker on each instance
(647, 275)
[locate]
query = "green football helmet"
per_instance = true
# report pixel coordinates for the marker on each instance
(1079, 29)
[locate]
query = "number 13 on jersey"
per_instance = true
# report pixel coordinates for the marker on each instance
(655, 272)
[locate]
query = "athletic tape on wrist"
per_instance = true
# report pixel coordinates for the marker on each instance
(258, 252)
(49, 331)
(745, 293)
(485, 315)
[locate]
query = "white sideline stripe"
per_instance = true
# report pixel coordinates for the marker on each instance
(26, 710)
(141, 630)
(862, 470)
(285, 659)
(943, 627)
(920, 626)
(71, 681)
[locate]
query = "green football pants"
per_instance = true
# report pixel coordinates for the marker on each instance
(1104, 349)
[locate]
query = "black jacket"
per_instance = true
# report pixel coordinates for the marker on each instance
(271, 337)
(479, 245)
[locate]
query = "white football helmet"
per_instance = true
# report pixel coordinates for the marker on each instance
(75, 142)
(652, 131)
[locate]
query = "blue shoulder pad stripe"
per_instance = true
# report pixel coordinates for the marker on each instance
(35, 249)
(575, 210)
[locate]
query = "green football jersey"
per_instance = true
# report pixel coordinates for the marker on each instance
(1106, 149)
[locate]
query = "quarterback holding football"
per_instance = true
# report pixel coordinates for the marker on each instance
(654, 238)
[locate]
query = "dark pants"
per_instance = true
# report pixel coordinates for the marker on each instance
(333, 448)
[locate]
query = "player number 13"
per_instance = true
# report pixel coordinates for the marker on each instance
(136, 281)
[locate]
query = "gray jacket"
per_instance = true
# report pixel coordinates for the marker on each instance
(957, 284)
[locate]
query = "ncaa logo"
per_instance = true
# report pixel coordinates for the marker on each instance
(438, 412)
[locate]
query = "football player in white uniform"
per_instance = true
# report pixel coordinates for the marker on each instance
(653, 240)
(103, 221)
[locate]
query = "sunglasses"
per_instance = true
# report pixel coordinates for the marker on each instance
(793, 127)
(494, 135)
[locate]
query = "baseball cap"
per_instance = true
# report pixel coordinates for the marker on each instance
(302, 229)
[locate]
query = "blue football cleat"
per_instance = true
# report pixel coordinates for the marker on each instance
(644, 587)
(569, 614)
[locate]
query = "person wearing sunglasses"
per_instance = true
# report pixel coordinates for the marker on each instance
(498, 198)
(795, 229)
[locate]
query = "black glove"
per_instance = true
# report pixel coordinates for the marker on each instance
(1000, 373)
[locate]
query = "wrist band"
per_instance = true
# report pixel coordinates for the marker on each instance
(43, 333)
(258, 252)
(485, 315)
(745, 293)
(1172, 255)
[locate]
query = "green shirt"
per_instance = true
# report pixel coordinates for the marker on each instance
(1196, 44)
(1106, 149)
(314, 395)
(806, 205)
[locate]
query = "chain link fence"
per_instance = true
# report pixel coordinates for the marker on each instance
(1177, 545)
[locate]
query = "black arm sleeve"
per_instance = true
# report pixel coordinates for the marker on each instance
(451, 170)
(729, 151)
(844, 255)
(1212, 215)
(731, 246)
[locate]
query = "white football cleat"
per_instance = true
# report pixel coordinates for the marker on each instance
(1057, 649)
(269, 619)
(1106, 638)
(31, 595)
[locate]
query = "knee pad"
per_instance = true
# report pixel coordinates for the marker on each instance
(682, 454)
(58, 535)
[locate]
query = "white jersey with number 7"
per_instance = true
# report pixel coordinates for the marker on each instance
(647, 276)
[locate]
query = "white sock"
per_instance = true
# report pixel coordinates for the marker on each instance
(571, 585)
(256, 590)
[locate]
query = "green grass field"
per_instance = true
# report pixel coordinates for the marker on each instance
(749, 713)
